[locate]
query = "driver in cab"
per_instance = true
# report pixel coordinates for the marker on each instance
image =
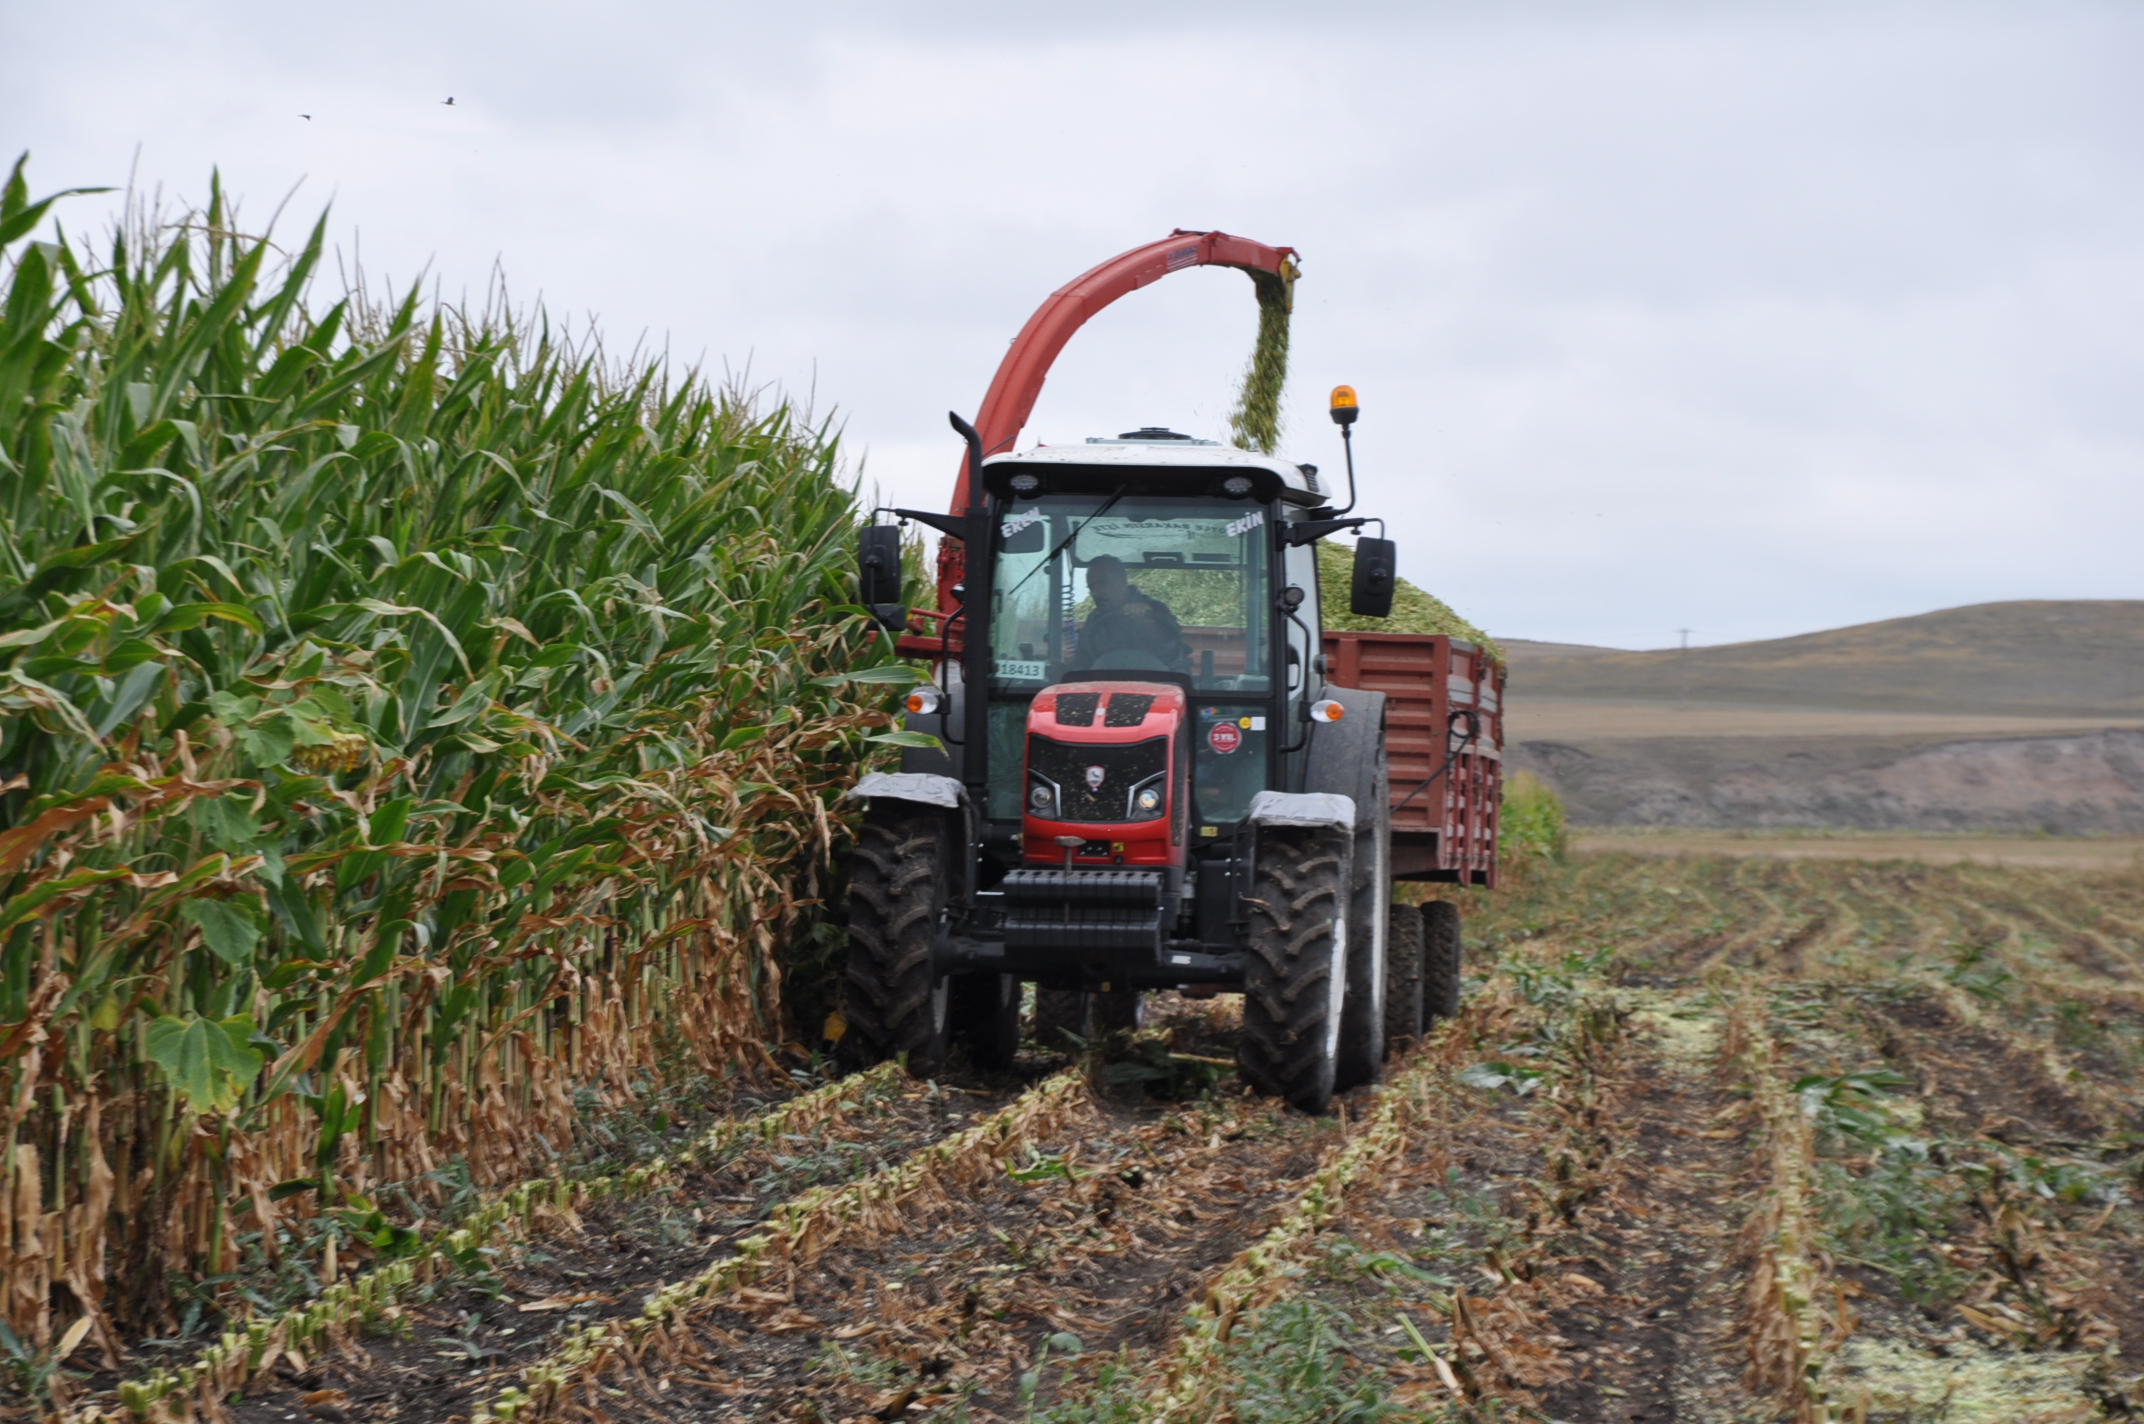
(1127, 629)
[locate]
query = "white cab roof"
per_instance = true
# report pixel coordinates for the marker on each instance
(1167, 454)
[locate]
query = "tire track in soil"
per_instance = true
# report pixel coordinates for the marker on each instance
(1658, 1340)
(1157, 1203)
(710, 1125)
(624, 1249)
(1594, 1233)
(1982, 1084)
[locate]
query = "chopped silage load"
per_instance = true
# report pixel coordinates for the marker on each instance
(1413, 611)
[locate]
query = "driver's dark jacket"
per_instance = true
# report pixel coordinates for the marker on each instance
(1119, 630)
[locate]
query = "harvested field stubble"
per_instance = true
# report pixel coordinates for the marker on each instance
(1712, 1140)
(541, 1206)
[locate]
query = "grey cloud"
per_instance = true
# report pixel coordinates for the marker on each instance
(1730, 316)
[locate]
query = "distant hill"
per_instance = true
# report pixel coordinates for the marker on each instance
(2050, 658)
(2085, 784)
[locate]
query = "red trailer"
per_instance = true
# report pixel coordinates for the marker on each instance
(1444, 737)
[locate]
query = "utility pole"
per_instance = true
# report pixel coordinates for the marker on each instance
(1682, 667)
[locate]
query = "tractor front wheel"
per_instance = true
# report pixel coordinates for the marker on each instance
(897, 1001)
(1060, 1017)
(1295, 978)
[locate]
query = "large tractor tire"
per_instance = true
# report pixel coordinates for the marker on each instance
(1403, 976)
(1362, 1019)
(1295, 977)
(897, 1002)
(1440, 961)
(1348, 757)
(984, 1014)
(1061, 1017)
(1084, 1016)
(1116, 1011)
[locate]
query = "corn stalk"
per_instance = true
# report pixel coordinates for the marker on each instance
(413, 730)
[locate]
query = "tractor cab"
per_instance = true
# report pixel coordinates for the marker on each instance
(1161, 560)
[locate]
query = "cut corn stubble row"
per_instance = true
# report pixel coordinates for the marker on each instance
(1182, 1385)
(794, 1232)
(1790, 1335)
(518, 1212)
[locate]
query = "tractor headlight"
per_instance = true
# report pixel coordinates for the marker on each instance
(1149, 800)
(923, 700)
(1040, 799)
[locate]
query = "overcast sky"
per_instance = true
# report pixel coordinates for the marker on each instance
(1747, 319)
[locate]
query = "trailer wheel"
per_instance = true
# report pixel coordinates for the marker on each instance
(1295, 975)
(984, 1013)
(1059, 1012)
(1440, 961)
(1403, 976)
(897, 1002)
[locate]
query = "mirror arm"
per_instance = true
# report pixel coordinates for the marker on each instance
(950, 524)
(1309, 531)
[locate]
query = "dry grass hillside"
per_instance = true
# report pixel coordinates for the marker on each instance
(2018, 717)
(2042, 658)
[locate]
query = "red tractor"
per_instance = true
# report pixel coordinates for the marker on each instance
(1150, 773)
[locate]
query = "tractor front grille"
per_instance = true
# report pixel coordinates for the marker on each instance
(1105, 799)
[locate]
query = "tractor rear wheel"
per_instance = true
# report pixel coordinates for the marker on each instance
(1295, 976)
(1440, 961)
(984, 1013)
(1403, 976)
(1362, 1019)
(897, 1001)
(1116, 1010)
(1059, 1012)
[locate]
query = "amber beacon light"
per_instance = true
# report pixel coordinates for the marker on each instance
(1344, 407)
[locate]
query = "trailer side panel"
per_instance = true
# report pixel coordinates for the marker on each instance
(1444, 736)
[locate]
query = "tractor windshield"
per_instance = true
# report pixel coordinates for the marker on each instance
(1130, 584)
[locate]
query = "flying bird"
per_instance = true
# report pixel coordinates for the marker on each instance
(307, 117)
(450, 99)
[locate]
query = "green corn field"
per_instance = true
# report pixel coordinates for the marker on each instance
(410, 720)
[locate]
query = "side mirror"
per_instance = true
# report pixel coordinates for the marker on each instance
(878, 574)
(878, 564)
(1376, 571)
